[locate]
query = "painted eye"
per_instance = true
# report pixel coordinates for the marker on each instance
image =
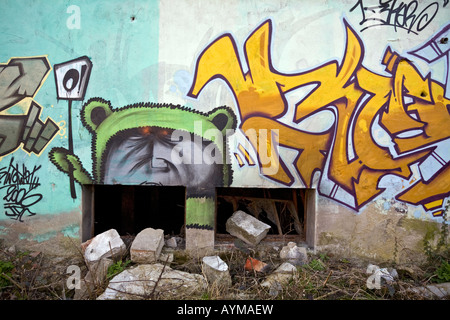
(145, 131)
(165, 135)
(164, 132)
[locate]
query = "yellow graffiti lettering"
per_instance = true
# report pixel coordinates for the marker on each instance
(409, 109)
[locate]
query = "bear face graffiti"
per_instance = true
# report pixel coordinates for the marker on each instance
(135, 145)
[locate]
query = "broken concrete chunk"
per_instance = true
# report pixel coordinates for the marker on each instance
(294, 254)
(147, 281)
(105, 245)
(286, 267)
(246, 227)
(216, 271)
(279, 278)
(85, 244)
(147, 246)
(388, 275)
(433, 291)
(98, 271)
(95, 278)
(166, 257)
(171, 242)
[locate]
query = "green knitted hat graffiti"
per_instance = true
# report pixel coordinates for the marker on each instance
(104, 123)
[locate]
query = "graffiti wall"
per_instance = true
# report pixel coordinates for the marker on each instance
(350, 98)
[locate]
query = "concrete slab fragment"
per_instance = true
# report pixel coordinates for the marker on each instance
(105, 245)
(147, 246)
(246, 227)
(216, 271)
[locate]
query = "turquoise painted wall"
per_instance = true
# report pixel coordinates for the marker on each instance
(121, 40)
(177, 52)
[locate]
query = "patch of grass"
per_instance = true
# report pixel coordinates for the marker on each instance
(117, 268)
(316, 265)
(205, 296)
(325, 277)
(5, 273)
(443, 272)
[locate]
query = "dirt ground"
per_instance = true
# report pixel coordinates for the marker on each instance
(30, 275)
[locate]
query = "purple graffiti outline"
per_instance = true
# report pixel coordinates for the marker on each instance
(363, 100)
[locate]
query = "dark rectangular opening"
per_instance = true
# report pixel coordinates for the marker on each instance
(281, 208)
(130, 208)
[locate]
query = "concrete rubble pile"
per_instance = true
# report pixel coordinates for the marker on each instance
(151, 253)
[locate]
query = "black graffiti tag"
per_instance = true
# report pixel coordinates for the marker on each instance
(19, 183)
(398, 14)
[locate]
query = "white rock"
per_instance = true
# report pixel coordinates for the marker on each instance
(286, 267)
(105, 245)
(294, 254)
(139, 283)
(246, 227)
(147, 246)
(216, 271)
(216, 263)
(281, 276)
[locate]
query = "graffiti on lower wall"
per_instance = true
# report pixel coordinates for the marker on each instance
(20, 184)
(384, 125)
(21, 79)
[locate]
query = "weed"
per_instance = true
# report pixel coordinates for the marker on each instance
(443, 272)
(5, 273)
(324, 257)
(316, 265)
(117, 268)
(444, 230)
(438, 256)
(205, 296)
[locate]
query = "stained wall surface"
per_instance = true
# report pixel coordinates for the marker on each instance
(348, 98)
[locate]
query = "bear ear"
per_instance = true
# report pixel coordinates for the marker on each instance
(94, 112)
(223, 118)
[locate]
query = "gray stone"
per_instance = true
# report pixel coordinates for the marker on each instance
(279, 278)
(294, 254)
(286, 268)
(171, 242)
(105, 245)
(147, 246)
(216, 271)
(151, 281)
(94, 279)
(433, 291)
(98, 271)
(12, 249)
(246, 227)
(86, 291)
(166, 257)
